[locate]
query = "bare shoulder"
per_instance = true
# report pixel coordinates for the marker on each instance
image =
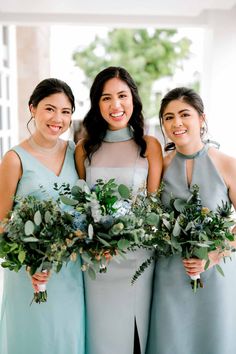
(225, 164)
(222, 160)
(11, 161)
(10, 171)
(153, 145)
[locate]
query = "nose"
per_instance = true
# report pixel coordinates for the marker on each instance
(177, 121)
(58, 116)
(115, 103)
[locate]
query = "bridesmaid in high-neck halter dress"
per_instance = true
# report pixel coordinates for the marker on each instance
(117, 313)
(183, 322)
(57, 326)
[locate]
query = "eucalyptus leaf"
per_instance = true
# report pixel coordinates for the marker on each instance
(68, 201)
(177, 229)
(75, 191)
(167, 224)
(90, 231)
(124, 191)
(30, 239)
(105, 243)
(47, 216)
(37, 218)
(207, 264)
(21, 256)
(29, 228)
(220, 270)
(179, 205)
(152, 219)
(201, 253)
(123, 244)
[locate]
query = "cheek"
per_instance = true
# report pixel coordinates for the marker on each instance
(166, 129)
(102, 108)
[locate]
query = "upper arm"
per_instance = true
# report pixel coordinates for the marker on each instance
(231, 180)
(155, 163)
(10, 174)
(80, 156)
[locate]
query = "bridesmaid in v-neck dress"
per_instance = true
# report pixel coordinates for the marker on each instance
(57, 326)
(117, 313)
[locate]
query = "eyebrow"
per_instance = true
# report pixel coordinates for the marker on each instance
(109, 94)
(51, 105)
(179, 112)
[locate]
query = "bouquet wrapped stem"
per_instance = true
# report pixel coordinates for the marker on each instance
(196, 282)
(41, 295)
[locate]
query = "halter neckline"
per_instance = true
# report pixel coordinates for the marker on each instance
(194, 155)
(124, 134)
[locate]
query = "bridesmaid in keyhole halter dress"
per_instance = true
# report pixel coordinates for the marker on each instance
(183, 322)
(115, 147)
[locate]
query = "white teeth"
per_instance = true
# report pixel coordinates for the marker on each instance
(117, 114)
(54, 127)
(179, 132)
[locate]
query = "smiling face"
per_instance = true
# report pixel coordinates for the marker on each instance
(116, 104)
(182, 124)
(52, 117)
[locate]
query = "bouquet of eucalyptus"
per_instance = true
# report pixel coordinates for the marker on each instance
(109, 221)
(37, 235)
(159, 224)
(188, 228)
(199, 230)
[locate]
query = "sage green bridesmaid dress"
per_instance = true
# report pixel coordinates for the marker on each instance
(116, 310)
(183, 322)
(57, 326)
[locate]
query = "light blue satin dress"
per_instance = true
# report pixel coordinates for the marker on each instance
(183, 322)
(57, 326)
(114, 305)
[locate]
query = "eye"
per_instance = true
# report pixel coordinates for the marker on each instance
(66, 112)
(168, 118)
(185, 115)
(105, 98)
(123, 95)
(49, 109)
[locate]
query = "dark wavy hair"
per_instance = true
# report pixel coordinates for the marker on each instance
(186, 95)
(96, 126)
(48, 87)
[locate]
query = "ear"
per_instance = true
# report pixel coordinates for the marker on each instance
(202, 119)
(32, 110)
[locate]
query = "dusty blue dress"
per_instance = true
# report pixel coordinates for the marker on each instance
(113, 305)
(183, 322)
(55, 327)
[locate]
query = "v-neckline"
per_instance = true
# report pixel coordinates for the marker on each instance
(44, 166)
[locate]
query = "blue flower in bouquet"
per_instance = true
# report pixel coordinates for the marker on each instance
(79, 221)
(123, 207)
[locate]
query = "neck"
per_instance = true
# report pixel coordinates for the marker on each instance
(47, 148)
(190, 150)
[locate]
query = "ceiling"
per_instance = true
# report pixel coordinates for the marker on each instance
(105, 11)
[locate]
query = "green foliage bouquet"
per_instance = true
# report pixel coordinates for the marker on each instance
(109, 221)
(199, 230)
(190, 229)
(38, 235)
